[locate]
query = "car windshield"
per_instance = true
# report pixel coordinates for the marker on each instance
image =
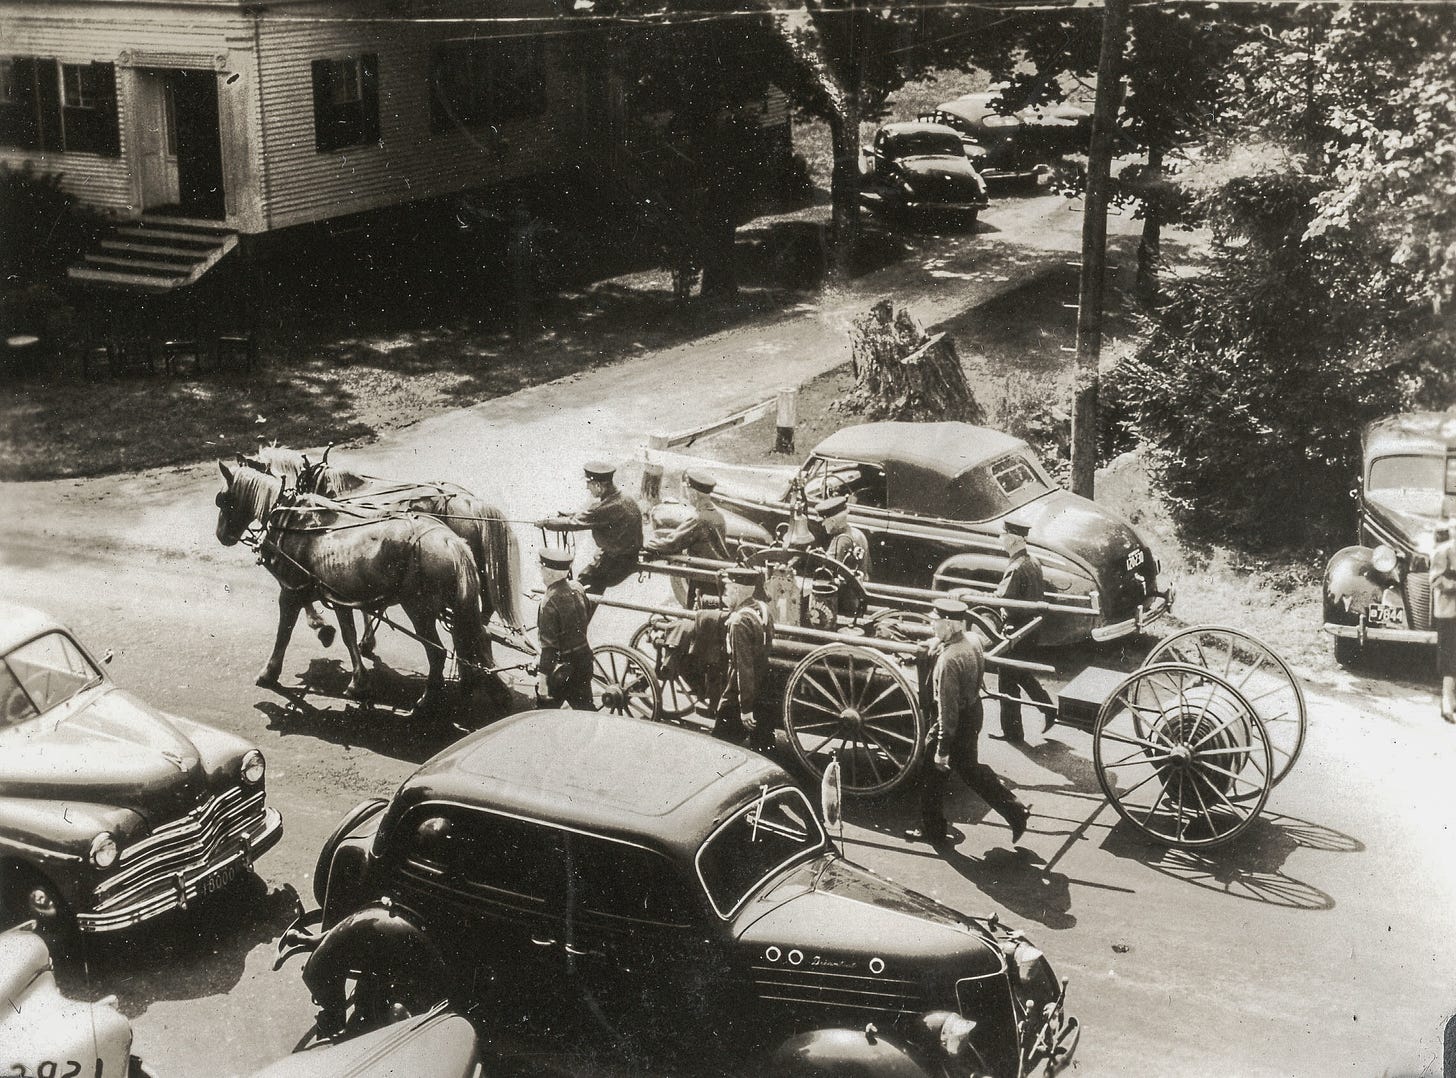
(824, 478)
(42, 674)
(924, 143)
(762, 837)
(1426, 473)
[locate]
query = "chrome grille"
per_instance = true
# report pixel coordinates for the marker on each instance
(183, 846)
(797, 984)
(1418, 600)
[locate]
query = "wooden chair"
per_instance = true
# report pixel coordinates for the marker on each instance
(235, 348)
(176, 353)
(131, 355)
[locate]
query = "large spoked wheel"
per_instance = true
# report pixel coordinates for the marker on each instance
(677, 698)
(1182, 755)
(622, 682)
(858, 704)
(1257, 672)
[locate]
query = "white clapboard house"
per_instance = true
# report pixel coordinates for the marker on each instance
(197, 122)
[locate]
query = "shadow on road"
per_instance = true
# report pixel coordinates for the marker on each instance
(190, 954)
(1251, 867)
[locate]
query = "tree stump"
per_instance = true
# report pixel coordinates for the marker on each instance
(902, 373)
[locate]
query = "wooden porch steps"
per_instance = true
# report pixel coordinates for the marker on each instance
(154, 254)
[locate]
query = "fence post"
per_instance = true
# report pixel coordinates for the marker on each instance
(786, 420)
(651, 487)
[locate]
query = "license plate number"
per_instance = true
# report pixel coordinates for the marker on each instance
(1384, 615)
(1135, 559)
(220, 880)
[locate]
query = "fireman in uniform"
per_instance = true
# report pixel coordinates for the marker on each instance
(564, 669)
(748, 634)
(844, 542)
(1022, 580)
(705, 533)
(960, 666)
(615, 523)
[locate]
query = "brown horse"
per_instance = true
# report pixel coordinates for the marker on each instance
(349, 557)
(480, 524)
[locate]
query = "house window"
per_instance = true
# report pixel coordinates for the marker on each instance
(346, 101)
(46, 105)
(474, 83)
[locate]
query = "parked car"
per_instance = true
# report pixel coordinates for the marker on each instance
(1380, 588)
(931, 499)
(47, 1035)
(921, 168)
(603, 880)
(1017, 144)
(112, 812)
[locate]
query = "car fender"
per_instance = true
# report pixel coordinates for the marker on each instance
(351, 834)
(54, 838)
(1351, 584)
(846, 1053)
(380, 938)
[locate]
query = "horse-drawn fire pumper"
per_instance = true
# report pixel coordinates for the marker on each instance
(1186, 747)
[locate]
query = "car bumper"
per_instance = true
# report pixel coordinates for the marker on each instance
(1152, 608)
(875, 200)
(223, 859)
(1394, 636)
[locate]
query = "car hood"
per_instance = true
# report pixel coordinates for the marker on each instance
(104, 747)
(1410, 516)
(836, 917)
(939, 169)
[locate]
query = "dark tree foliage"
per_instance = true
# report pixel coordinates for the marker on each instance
(1320, 310)
(45, 228)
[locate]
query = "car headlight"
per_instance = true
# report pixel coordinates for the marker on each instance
(1384, 560)
(254, 767)
(103, 850)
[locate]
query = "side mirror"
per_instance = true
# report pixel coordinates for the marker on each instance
(1355, 493)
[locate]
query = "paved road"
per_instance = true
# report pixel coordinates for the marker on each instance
(1321, 944)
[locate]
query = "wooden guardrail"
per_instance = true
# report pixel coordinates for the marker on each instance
(784, 407)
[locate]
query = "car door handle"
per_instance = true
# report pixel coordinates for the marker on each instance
(578, 952)
(543, 943)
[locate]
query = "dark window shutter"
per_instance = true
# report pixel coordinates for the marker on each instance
(325, 131)
(108, 142)
(18, 123)
(48, 105)
(369, 91)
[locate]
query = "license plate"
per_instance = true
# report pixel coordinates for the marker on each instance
(1379, 614)
(1134, 560)
(221, 880)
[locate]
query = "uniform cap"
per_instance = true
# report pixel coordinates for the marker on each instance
(598, 469)
(557, 557)
(827, 507)
(950, 610)
(743, 574)
(700, 480)
(1016, 527)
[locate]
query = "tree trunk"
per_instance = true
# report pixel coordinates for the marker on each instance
(903, 374)
(1149, 253)
(844, 184)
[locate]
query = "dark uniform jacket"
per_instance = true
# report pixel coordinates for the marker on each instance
(561, 623)
(960, 666)
(703, 535)
(615, 523)
(749, 634)
(1022, 580)
(853, 549)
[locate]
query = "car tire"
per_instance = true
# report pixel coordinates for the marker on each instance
(1347, 650)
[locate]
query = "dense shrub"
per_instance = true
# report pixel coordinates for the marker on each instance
(45, 228)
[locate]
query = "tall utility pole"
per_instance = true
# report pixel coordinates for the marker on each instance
(1094, 246)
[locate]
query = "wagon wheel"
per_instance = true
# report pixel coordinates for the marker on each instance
(622, 682)
(1182, 755)
(1257, 672)
(677, 696)
(858, 703)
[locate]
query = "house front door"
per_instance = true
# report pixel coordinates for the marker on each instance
(156, 141)
(199, 143)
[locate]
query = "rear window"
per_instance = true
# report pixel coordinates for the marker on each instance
(924, 143)
(993, 489)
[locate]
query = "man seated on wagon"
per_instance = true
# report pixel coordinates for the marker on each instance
(615, 522)
(844, 542)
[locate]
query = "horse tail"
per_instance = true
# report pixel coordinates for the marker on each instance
(468, 629)
(500, 565)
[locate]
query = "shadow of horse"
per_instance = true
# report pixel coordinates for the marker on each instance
(1250, 867)
(319, 708)
(186, 954)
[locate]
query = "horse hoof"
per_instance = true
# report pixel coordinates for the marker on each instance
(326, 636)
(267, 680)
(356, 692)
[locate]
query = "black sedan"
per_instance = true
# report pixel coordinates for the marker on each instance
(1015, 144)
(921, 167)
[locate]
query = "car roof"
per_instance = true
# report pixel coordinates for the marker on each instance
(972, 107)
(603, 773)
(21, 623)
(915, 127)
(976, 107)
(946, 449)
(1412, 432)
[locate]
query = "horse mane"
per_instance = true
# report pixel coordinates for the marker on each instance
(255, 491)
(285, 463)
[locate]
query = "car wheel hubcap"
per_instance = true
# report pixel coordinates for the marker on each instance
(41, 902)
